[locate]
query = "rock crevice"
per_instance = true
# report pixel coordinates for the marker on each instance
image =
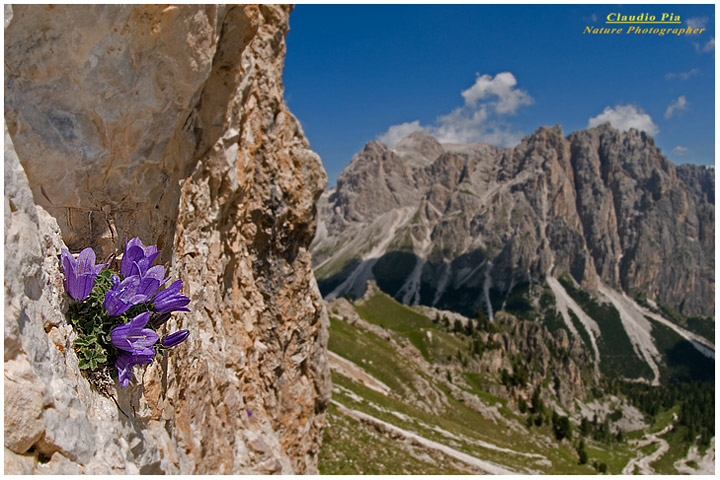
(166, 123)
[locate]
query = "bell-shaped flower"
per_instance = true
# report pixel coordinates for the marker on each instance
(175, 338)
(126, 361)
(159, 319)
(133, 337)
(131, 291)
(137, 258)
(157, 272)
(80, 274)
(170, 299)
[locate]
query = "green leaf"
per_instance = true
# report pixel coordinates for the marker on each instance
(86, 341)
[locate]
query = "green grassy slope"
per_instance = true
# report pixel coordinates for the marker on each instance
(435, 396)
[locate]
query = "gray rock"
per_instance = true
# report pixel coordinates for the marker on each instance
(24, 404)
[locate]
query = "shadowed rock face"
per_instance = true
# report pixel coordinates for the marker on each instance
(166, 123)
(477, 220)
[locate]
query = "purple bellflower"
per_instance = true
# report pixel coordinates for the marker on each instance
(136, 343)
(171, 300)
(133, 337)
(125, 362)
(157, 272)
(175, 338)
(80, 274)
(129, 292)
(159, 319)
(137, 258)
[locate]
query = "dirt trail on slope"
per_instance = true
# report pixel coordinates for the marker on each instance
(642, 462)
(353, 371)
(416, 439)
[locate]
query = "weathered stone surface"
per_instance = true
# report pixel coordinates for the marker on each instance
(96, 98)
(23, 406)
(166, 123)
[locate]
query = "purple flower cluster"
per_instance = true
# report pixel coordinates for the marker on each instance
(140, 284)
(137, 344)
(141, 281)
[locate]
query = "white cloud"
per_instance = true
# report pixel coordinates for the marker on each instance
(478, 119)
(680, 151)
(502, 87)
(468, 126)
(459, 126)
(709, 46)
(682, 75)
(397, 132)
(696, 22)
(679, 105)
(701, 22)
(625, 117)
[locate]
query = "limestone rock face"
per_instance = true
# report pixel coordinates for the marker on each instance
(166, 123)
(648, 229)
(459, 227)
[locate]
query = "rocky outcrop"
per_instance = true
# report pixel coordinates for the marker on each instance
(167, 123)
(545, 357)
(461, 227)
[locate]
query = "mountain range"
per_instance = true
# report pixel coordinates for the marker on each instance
(464, 225)
(596, 232)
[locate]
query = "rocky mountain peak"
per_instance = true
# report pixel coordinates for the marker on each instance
(546, 133)
(374, 147)
(419, 145)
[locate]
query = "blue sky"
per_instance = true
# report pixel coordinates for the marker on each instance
(495, 74)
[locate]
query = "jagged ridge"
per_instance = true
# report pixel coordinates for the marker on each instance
(462, 226)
